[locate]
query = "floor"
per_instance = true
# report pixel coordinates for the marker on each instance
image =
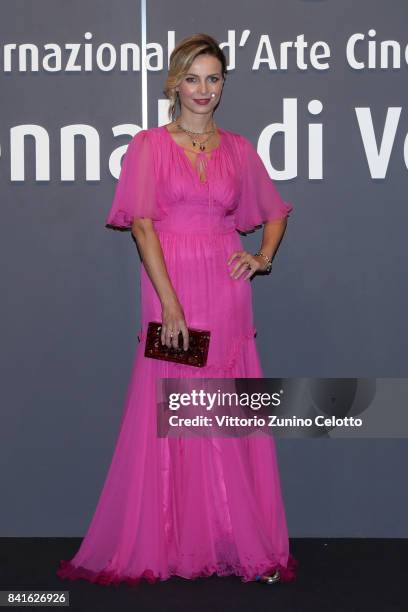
(333, 575)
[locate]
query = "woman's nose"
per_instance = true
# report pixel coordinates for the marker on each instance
(204, 88)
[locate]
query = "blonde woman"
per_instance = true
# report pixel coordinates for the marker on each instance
(191, 506)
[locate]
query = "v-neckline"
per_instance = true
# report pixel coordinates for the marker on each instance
(198, 153)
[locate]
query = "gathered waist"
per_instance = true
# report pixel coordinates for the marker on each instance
(194, 232)
(195, 219)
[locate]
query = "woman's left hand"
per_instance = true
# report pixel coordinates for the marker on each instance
(248, 264)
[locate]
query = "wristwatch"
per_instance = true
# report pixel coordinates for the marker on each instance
(267, 259)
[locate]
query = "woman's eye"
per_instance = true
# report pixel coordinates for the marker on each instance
(214, 79)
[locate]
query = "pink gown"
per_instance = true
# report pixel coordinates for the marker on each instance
(195, 506)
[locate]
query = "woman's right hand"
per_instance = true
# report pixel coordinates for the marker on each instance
(173, 322)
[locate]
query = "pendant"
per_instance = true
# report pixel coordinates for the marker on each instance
(202, 146)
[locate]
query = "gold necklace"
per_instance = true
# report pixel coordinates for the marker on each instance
(193, 140)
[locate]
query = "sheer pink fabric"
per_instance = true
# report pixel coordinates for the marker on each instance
(137, 193)
(259, 199)
(190, 506)
(136, 189)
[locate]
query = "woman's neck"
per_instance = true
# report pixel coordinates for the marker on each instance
(196, 123)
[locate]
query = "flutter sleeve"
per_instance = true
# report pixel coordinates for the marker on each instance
(259, 200)
(135, 193)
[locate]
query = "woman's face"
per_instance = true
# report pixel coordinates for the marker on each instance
(203, 79)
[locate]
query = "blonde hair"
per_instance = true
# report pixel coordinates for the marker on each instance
(181, 58)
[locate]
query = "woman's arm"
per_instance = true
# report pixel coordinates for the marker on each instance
(173, 318)
(273, 232)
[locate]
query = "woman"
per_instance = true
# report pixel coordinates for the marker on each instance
(191, 506)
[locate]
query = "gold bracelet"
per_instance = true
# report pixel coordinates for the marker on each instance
(267, 259)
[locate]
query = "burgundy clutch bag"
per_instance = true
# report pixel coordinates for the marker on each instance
(195, 355)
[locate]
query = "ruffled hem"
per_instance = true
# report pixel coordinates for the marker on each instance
(69, 571)
(121, 219)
